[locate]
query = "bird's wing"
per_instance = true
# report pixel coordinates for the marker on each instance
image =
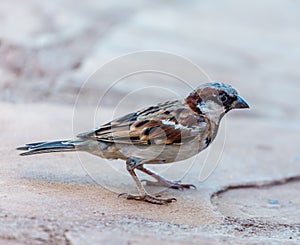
(168, 123)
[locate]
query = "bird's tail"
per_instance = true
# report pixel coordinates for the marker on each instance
(46, 147)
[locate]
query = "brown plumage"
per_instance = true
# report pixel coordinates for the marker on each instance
(164, 133)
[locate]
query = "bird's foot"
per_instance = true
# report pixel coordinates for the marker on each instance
(170, 184)
(149, 198)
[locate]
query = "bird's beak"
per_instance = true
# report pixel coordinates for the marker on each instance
(240, 103)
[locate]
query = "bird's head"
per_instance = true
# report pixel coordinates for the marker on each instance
(215, 99)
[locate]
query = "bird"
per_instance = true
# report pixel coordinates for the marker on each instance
(159, 134)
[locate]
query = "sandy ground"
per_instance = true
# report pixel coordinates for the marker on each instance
(247, 182)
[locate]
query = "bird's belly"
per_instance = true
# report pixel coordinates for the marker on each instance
(151, 153)
(163, 153)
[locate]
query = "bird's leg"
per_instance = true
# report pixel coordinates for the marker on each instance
(131, 164)
(161, 181)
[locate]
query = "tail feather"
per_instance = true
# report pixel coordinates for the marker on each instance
(30, 145)
(46, 147)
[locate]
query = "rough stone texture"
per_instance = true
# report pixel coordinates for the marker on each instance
(47, 51)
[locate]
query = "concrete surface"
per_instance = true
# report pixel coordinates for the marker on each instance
(48, 50)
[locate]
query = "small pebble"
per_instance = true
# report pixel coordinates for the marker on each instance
(273, 201)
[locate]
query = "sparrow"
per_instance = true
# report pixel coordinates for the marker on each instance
(159, 134)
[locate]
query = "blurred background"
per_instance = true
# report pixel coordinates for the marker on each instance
(48, 49)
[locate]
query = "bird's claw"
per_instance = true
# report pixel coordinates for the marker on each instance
(170, 184)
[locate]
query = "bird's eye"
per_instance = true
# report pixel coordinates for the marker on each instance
(223, 96)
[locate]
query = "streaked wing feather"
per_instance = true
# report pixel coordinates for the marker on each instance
(168, 123)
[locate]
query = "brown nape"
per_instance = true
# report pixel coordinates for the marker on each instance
(193, 100)
(199, 95)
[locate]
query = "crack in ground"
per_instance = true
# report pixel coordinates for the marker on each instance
(258, 184)
(256, 226)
